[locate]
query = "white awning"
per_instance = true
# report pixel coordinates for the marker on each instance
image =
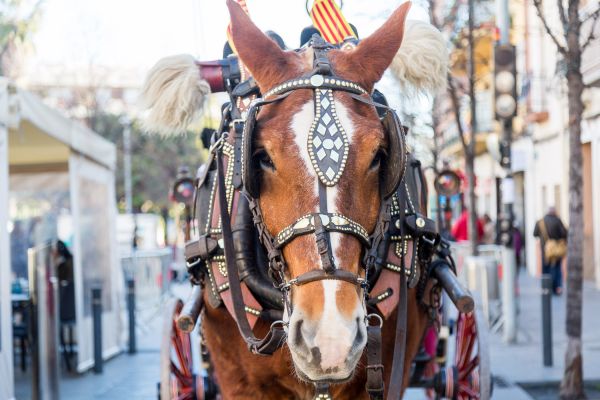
(33, 125)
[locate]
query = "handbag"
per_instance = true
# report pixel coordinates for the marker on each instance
(554, 249)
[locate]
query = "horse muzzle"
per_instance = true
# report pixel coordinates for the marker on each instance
(328, 354)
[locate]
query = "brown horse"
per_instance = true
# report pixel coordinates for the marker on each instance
(326, 321)
(327, 332)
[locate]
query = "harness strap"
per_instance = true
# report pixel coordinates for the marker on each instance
(397, 375)
(320, 275)
(203, 248)
(374, 385)
(274, 338)
(324, 243)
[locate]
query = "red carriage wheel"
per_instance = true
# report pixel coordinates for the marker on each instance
(469, 376)
(177, 379)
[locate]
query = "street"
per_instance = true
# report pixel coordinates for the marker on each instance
(350, 186)
(517, 368)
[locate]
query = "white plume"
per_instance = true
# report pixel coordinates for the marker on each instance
(173, 94)
(421, 64)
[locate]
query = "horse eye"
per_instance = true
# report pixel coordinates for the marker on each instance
(379, 157)
(263, 159)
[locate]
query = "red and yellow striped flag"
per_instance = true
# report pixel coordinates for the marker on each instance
(244, 6)
(329, 20)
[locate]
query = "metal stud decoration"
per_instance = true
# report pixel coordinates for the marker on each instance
(331, 221)
(327, 140)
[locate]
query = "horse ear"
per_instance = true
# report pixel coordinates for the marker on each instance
(374, 54)
(268, 64)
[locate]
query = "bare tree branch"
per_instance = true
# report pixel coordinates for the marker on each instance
(450, 19)
(563, 17)
(432, 17)
(456, 108)
(538, 7)
(591, 37)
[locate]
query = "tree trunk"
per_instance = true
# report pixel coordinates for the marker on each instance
(572, 384)
(470, 155)
(472, 206)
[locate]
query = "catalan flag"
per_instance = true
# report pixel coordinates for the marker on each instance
(329, 20)
(244, 6)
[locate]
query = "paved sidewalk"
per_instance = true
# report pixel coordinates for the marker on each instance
(522, 362)
(125, 376)
(136, 376)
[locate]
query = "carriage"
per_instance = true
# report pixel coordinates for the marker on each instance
(316, 271)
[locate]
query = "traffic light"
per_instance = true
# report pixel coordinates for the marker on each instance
(505, 82)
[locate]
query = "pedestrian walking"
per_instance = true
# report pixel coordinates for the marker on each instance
(518, 245)
(553, 246)
(489, 230)
(460, 229)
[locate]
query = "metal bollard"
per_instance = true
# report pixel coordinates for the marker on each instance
(43, 323)
(131, 313)
(97, 319)
(509, 305)
(547, 319)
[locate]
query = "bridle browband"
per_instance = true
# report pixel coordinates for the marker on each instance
(328, 149)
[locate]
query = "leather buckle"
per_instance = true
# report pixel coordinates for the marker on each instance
(375, 367)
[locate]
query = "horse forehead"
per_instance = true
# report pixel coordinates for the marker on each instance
(303, 121)
(285, 127)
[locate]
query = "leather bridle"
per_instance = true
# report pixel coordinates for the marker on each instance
(320, 224)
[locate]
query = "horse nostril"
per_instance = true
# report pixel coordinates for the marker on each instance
(358, 340)
(298, 333)
(316, 355)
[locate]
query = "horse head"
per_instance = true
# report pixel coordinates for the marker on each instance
(327, 329)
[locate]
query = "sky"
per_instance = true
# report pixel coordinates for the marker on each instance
(136, 33)
(129, 36)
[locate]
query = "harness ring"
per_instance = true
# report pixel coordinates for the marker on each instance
(374, 315)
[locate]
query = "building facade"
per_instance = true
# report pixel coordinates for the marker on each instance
(543, 149)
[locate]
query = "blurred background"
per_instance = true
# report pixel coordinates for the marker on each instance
(77, 170)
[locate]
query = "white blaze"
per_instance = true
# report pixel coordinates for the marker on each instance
(335, 334)
(301, 123)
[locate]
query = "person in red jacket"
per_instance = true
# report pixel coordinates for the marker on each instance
(460, 229)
